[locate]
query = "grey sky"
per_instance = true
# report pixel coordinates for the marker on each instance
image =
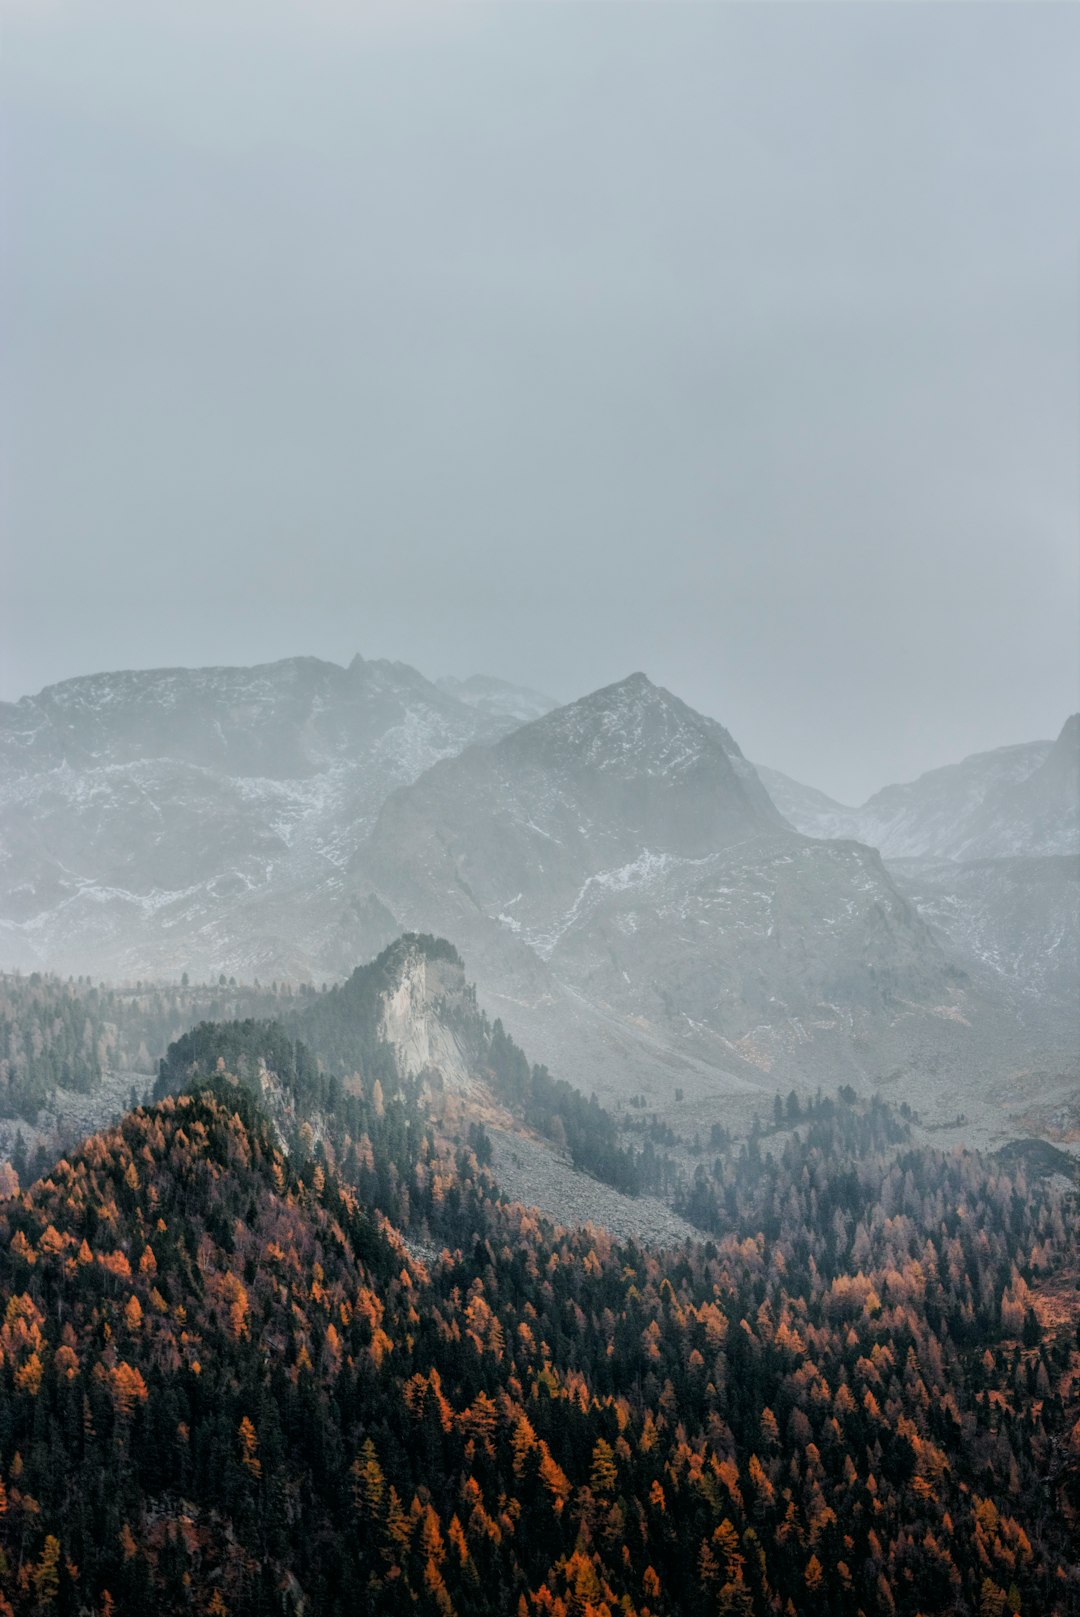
(735, 343)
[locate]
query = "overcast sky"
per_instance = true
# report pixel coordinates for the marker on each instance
(734, 343)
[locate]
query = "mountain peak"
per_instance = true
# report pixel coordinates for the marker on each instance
(635, 687)
(631, 727)
(635, 757)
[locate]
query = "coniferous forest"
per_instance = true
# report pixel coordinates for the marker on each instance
(276, 1344)
(68, 1033)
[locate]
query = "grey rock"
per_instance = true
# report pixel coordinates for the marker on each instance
(632, 903)
(202, 819)
(1015, 802)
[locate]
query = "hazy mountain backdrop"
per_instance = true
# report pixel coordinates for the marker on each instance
(640, 905)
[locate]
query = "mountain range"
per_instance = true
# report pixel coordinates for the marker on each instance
(632, 901)
(1021, 801)
(988, 850)
(202, 818)
(643, 908)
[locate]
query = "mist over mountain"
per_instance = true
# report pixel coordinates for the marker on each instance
(201, 819)
(1014, 924)
(498, 696)
(635, 904)
(280, 1342)
(1018, 801)
(988, 851)
(589, 787)
(324, 1257)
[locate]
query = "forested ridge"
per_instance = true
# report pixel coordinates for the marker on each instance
(66, 1033)
(69, 1034)
(323, 1044)
(354, 1378)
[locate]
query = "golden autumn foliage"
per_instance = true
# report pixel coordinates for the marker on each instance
(746, 1429)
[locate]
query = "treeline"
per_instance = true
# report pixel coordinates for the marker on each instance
(50, 1036)
(241, 1048)
(573, 1121)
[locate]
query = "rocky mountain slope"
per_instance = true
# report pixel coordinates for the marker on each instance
(406, 1028)
(1015, 802)
(637, 910)
(1007, 921)
(523, 829)
(988, 852)
(201, 819)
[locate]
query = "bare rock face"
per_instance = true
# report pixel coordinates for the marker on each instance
(413, 1001)
(626, 776)
(1012, 922)
(1039, 815)
(413, 1019)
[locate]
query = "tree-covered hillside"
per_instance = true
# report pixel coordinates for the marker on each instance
(355, 1379)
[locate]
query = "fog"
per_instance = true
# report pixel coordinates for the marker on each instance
(735, 344)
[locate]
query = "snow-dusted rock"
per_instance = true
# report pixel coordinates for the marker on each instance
(201, 819)
(1016, 802)
(615, 871)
